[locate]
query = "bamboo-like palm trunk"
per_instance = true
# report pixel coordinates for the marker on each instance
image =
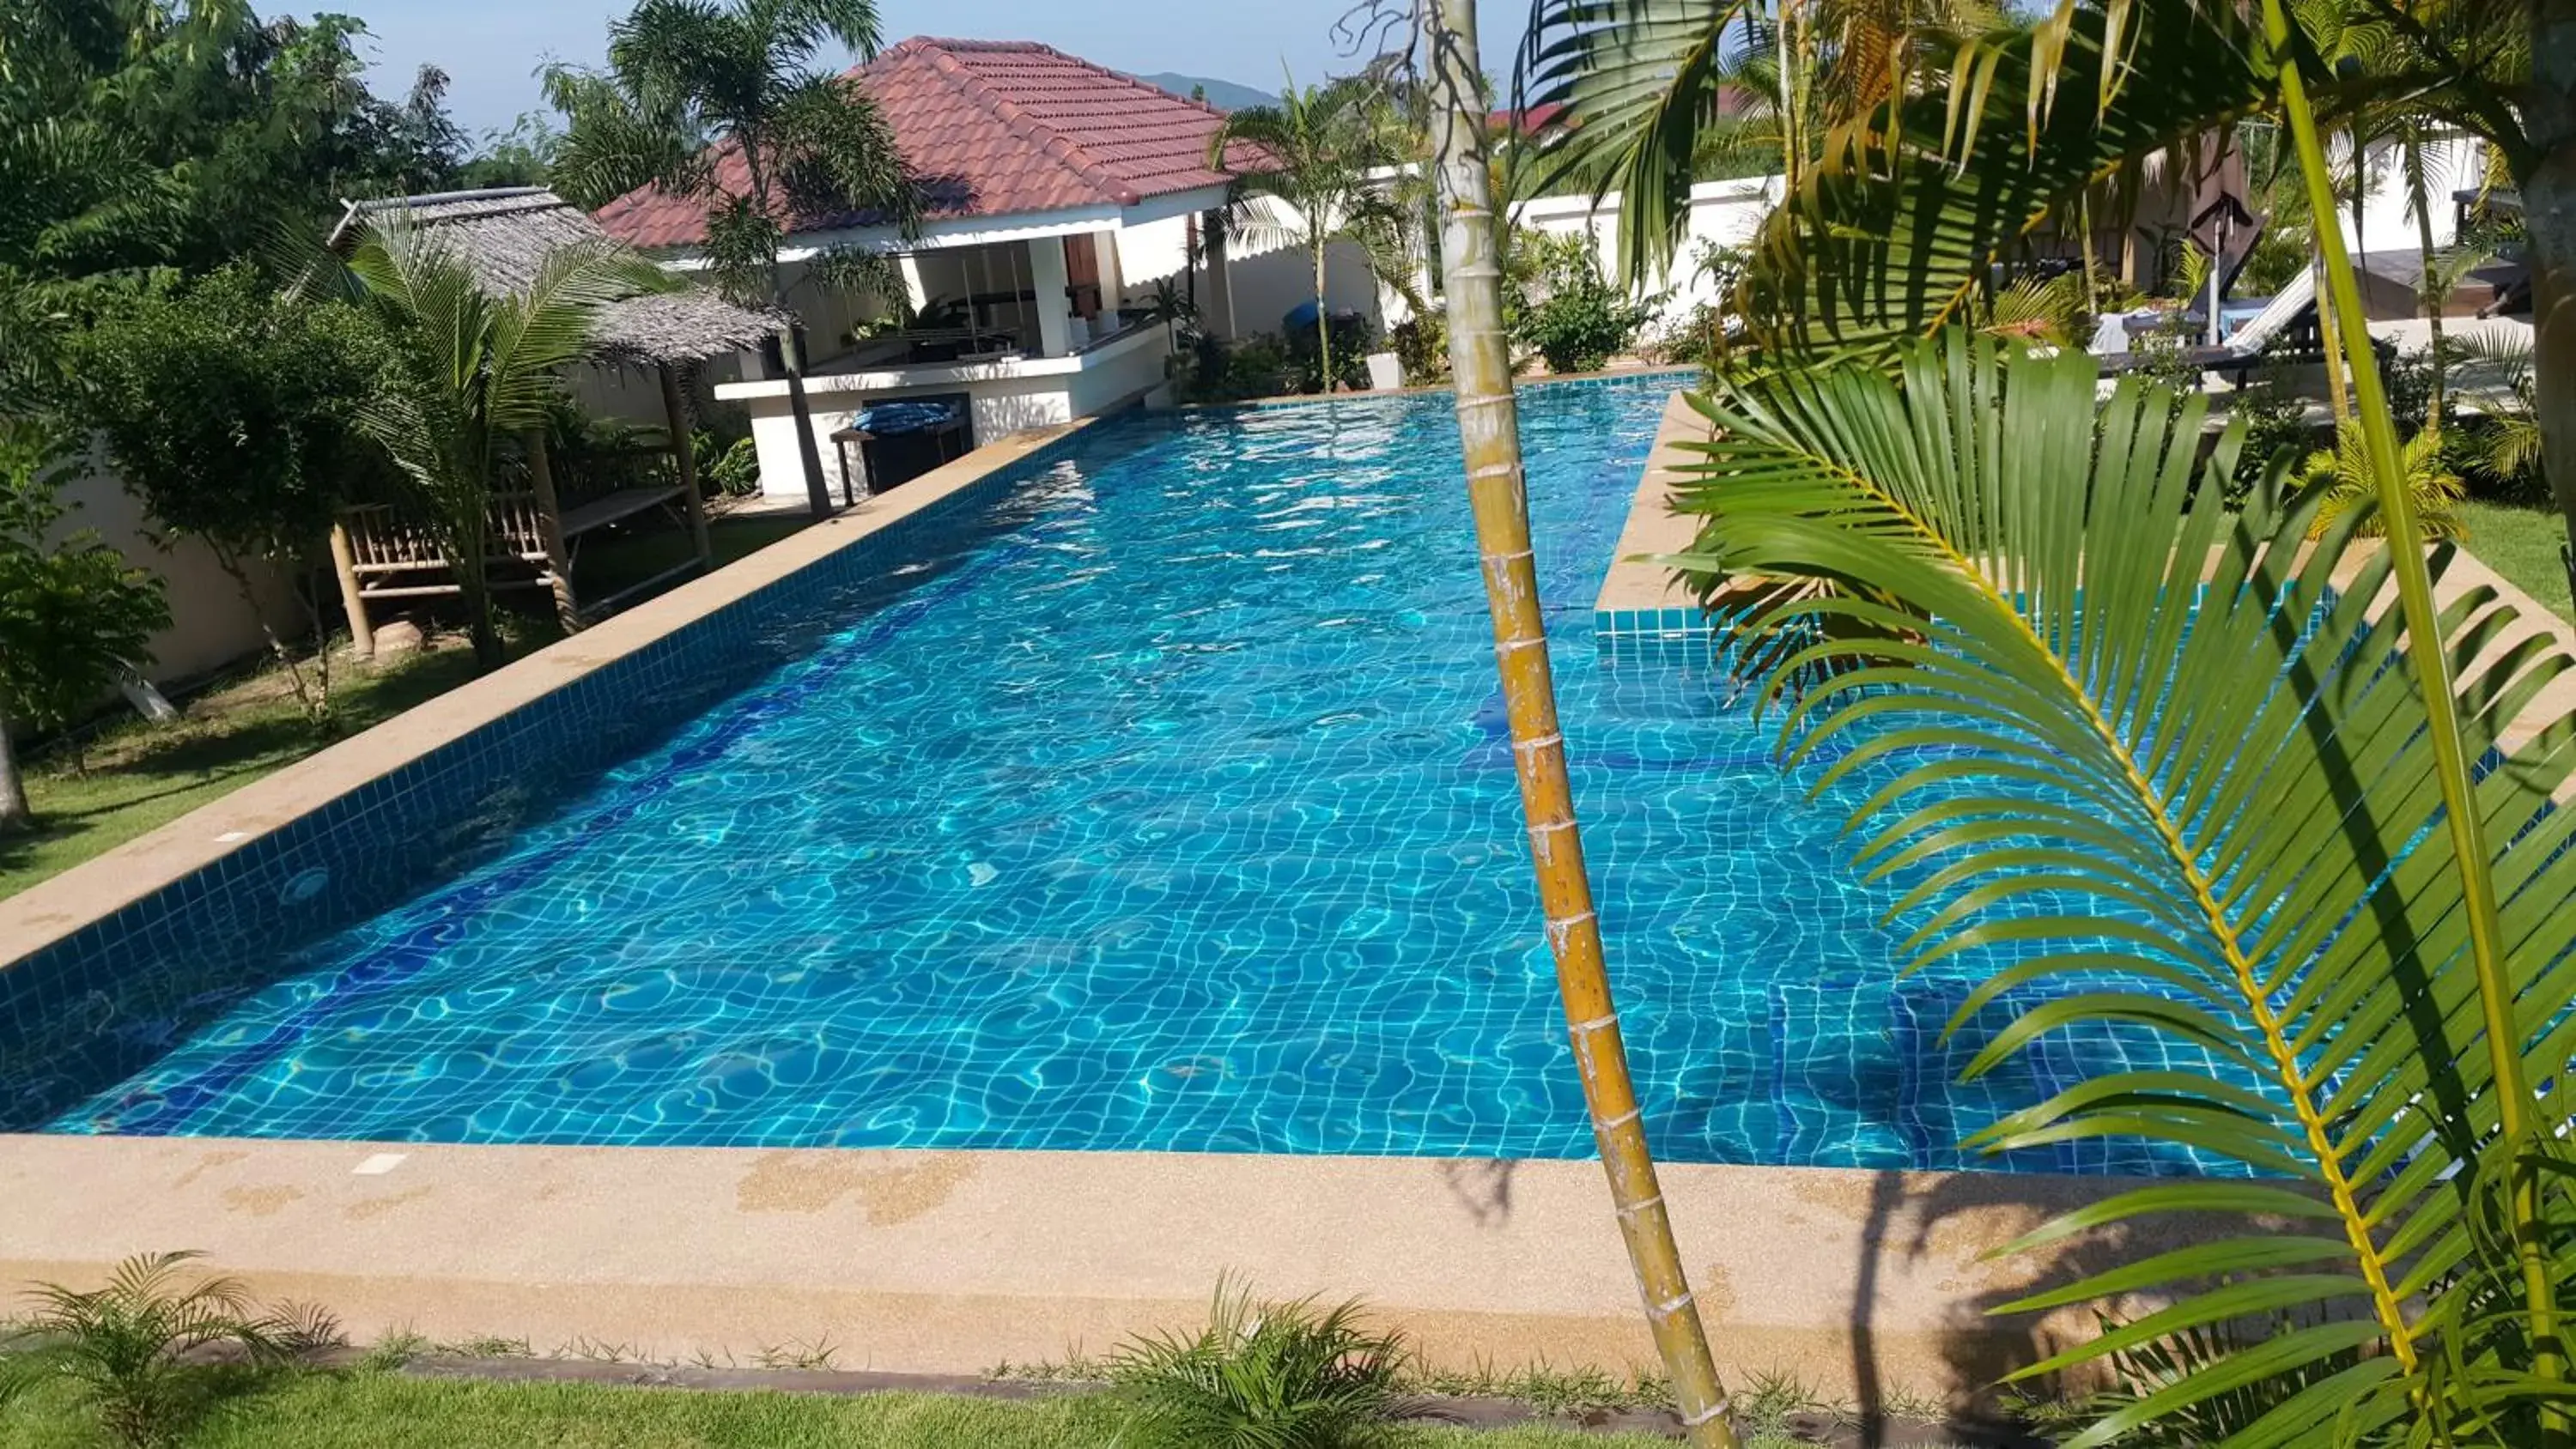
(2432, 668)
(1488, 428)
(1323, 322)
(2432, 293)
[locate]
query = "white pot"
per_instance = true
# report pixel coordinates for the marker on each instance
(1385, 370)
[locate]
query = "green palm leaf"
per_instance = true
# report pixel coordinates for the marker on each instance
(1899, 229)
(1640, 80)
(2204, 728)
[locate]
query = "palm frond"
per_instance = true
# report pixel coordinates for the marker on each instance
(1640, 81)
(2156, 747)
(1903, 225)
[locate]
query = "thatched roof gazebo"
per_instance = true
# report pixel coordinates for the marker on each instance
(505, 236)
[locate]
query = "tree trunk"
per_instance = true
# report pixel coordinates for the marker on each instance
(1323, 321)
(1793, 140)
(15, 813)
(2549, 214)
(2433, 295)
(1488, 430)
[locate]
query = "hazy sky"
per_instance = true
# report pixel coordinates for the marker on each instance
(490, 47)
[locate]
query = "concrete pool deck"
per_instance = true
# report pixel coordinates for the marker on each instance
(1862, 1283)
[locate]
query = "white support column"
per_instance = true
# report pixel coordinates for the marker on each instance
(1216, 291)
(1113, 275)
(1047, 280)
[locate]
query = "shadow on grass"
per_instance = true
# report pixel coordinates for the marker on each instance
(140, 775)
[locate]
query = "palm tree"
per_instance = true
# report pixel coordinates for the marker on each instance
(1657, 93)
(1489, 432)
(690, 82)
(473, 376)
(1897, 234)
(1322, 148)
(1950, 185)
(2212, 799)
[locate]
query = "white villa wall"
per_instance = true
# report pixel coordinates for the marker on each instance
(2453, 164)
(1002, 398)
(1150, 252)
(1270, 285)
(1724, 213)
(1269, 281)
(210, 623)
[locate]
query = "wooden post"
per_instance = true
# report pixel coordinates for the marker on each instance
(675, 408)
(344, 562)
(550, 532)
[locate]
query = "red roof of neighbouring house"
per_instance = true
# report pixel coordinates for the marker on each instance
(1525, 123)
(992, 127)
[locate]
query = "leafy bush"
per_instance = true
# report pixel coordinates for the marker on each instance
(1421, 345)
(2343, 471)
(73, 614)
(1255, 366)
(135, 1348)
(1350, 360)
(730, 466)
(232, 414)
(2276, 424)
(1581, 321)
(1265, 1376)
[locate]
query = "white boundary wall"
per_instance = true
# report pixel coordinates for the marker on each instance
(1722, 213)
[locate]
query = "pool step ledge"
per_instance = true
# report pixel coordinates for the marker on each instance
(951, 1262)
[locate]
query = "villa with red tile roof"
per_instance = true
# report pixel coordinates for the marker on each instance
(1055, 193)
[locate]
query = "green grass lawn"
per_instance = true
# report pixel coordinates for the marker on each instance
(140, 776)
(617, 561)
(369, 1410)
(2521, 544)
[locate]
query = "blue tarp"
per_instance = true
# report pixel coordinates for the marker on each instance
(894, 419)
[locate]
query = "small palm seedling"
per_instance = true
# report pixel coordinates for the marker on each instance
(1265, 1376)
(149, 1352)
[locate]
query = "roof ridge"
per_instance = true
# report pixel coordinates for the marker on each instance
(1056, 144)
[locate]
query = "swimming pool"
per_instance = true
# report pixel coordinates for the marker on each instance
(1156, 797)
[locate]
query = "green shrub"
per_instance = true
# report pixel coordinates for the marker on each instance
(1421, 345)
(1265, 1376)
(1582, 321)
(1255, 366)
(729, 465)
(1350, 356)
(135, 1349)
(73, 614)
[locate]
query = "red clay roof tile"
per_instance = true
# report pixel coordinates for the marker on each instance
(992, 127)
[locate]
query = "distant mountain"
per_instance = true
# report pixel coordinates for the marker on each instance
(1225, 95)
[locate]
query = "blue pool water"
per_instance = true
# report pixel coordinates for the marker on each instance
(1163, 801)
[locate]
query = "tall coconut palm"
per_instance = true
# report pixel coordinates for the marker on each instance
(472, 374)
(1488, 429)
(691, 84)
(1322, 149)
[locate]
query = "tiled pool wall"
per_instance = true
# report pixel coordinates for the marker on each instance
(1655, 636)
(76, 1010)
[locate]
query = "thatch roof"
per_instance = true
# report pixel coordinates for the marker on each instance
(506, 234)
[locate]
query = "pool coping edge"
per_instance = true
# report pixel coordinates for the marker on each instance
(60, 906)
